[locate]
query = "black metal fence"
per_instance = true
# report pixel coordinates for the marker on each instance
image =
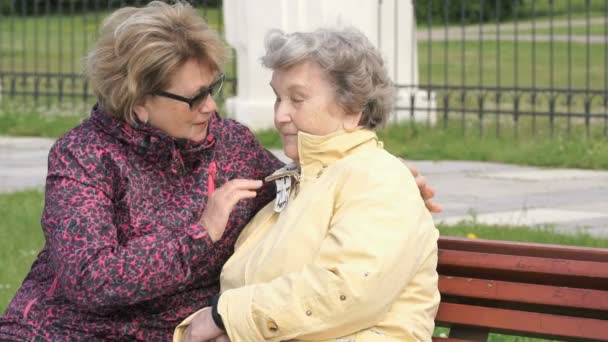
(42, 45)
(516, 66)
(503, 66)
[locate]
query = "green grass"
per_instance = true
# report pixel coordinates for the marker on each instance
(560, 7)
(418, 141)
(542, 234)
(536, 10)
(21, 239)
(57, 43)
(32, 124)
(488, 62)
(531, 146)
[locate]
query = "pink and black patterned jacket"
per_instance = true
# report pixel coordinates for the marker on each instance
(124, 258)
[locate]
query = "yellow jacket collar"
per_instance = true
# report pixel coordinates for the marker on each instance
(326, 149)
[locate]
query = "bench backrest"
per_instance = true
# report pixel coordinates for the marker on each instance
(522, 289)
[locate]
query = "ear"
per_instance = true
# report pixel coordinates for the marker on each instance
(141, 112)
(351, 121)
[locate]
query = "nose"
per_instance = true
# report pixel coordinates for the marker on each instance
(281, 113)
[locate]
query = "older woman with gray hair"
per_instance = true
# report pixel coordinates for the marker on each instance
(145, 199)
(347, 251)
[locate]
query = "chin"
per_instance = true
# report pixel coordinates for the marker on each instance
(291, 153)
(198, 137)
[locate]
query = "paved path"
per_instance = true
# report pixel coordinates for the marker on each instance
(507, 32)
(570, 199)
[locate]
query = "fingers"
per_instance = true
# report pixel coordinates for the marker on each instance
(236, 190)
(425, 190)
(412, 169)
(221, 203)
(433, 207)
(243, 184)
(202, 328)
(427, 193)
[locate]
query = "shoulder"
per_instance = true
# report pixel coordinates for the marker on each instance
(376, 167)
(84, 143)
(242, 146)
(379, 179)
(233, 130)
(84, 154)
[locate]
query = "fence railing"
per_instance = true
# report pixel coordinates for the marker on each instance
(42, 45)
(493, 66)
(513, 66)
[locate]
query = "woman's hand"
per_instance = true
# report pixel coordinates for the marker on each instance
(220, 204)
(202, 328)
(426, 191)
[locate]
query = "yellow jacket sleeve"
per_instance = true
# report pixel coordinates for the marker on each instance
(379, 235)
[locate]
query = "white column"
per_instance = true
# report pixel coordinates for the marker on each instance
(389, 24)
(397, 42)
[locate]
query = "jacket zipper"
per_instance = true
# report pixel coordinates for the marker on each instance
(211, 179)
(53, 287)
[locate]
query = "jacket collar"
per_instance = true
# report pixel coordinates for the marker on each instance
(152, 143)
(317, 152)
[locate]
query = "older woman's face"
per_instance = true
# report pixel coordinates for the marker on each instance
(305, 102)
(176, 118)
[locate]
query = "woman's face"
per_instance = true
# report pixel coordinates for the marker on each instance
(305, 102)
(175, 117)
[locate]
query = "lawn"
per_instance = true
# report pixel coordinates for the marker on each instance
(420, 142)
(461, 140)
(505, 63)
(57, 43)
(21, 240)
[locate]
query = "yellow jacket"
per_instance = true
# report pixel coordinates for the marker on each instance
(352, 257)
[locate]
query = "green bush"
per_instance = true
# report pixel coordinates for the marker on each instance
(468, 11)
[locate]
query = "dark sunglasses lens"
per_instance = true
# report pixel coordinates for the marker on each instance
(213, 90)
(200, 98)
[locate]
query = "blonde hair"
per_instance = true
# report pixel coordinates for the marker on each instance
(351, 63)
(139, 49)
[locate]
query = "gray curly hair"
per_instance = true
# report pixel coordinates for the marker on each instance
(352, 64)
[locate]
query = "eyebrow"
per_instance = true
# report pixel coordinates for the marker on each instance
(297, 87)
(293, 87)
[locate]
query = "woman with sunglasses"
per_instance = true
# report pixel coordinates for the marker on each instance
(133, 192)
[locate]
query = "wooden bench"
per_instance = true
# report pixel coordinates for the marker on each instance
(524, 289)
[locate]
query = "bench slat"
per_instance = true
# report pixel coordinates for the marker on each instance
(524, 249)
(513, 322)
(524, 293)
(562, 272)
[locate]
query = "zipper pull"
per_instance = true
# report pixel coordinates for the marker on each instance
(211, 179)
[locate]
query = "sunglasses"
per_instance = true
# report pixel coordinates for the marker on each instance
(213, 89)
